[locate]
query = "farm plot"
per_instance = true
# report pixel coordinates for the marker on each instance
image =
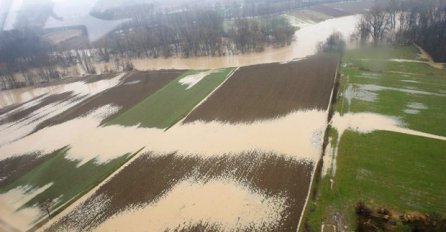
(174, 101)
(271, 90)
(55, 182)
(212, 175)
(387, 142)
(135, 87)
(172, 192)
(24, 119)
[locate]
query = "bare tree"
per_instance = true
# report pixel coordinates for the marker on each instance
(334, 43)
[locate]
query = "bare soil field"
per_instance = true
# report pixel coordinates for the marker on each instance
(271, 90)
(150, 177)
(135, 87)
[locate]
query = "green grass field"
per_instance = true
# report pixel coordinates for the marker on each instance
(386, 169)
(68, 179)
(171, 103)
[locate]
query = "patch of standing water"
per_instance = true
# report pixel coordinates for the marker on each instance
(13, 200)
(415, 108)
(133, 82)
(225, 204)
(376, 88)
(410, 81)
(191, 80)
(369, 122)
(329, 159)
(358, 93)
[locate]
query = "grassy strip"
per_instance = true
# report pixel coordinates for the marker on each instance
(171, 103)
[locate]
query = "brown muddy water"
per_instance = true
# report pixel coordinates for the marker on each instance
(305, 44)
(72, 94)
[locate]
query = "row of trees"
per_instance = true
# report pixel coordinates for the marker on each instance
(195, 33)
(421, 22)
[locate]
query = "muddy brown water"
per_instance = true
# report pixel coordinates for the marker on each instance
(271, 90)
(150, 177)
(305, 44)
(21, 114)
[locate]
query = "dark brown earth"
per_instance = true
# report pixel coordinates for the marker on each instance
(380, 219)
(147, 178)
(271, 90)
(125, 95)
(14, 167)
(22, 114)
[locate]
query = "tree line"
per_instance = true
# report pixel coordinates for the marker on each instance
(195, 33)
(404, 22)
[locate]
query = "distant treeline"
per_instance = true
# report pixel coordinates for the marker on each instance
(420, 22)
(195, 33)
(229, 9)
(21, 50)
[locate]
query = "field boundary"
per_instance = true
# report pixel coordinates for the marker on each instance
(205, 99)
(320, 162)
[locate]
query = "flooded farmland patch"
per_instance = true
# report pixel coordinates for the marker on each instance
(64, 98)
(269, 91)
(260, 191)
(135, 87)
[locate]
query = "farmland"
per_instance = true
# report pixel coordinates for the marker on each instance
(135, 87)
(261, 160)
(387, 142)
(279, 90)
(271, 176)
(174, 101)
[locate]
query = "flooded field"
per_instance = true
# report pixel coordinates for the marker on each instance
(264, 165)
(253, 133)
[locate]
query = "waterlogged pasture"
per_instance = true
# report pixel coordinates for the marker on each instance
(386, 146)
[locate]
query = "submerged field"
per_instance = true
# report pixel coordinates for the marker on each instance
(256, 164)
(387, 144)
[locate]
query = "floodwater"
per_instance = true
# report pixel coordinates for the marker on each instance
(12, 200)
(369, 122)
(15, 130)
(307, 39)
(297, 135)
(190, 203)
